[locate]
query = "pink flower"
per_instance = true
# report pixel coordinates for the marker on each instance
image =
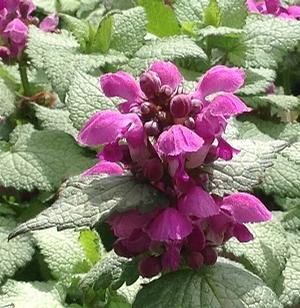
(49, 23)
(274, 7)
(165, 136)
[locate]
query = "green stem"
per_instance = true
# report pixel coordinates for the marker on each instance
(24, 78)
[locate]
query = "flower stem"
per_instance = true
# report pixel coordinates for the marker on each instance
(24, 78)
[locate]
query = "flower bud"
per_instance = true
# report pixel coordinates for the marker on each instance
(148, 108)
(195, 260)
(150, 267)
(153, 169)
(196, 105)
(16, 31)
(180, 106)
(152, 128)
(210, 255)
(150, 84)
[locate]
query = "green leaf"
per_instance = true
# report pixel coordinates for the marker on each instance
(283, 178)
(257, 81)
(169, 48)
(102, 39)
(189, 10)
(62, 252)
(7, 99)
(86, 201)
(36, 294)
(40, 159)
(78, 27)
(13, 254)
(129, 30)
(90, 243)
(47, 6)
(266, 41)
(212, 14)
(266, 255)
(222, 285)
(291, 219)
(67, 6)
(246, 170)
(289, 285)
(281, 102)
(287, 203)
(85, 98)
(54, 119)
(108, 272)
(255, 128)
(58, 56)
(233, 13)
(161, 18)
(117, 300)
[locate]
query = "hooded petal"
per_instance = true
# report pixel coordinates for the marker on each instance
(294, 11)
(199, 203)
(49, 23)
(196, 240)
(227, 105)
(252, 6)
(178, 140)
(168, 73)
(123, 224)
(104, 167)
(220, 79)
(272, 6)
(109, 126)
(122, 85)
(16, 31)
(169, 225)
(225, 150)
(242, 233)
(246, 208)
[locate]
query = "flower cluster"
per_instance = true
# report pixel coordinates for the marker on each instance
(15, 16)
(275, 8)
(166, 136)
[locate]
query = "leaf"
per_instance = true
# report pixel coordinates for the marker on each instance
(247, 169)
(129, 30)
(40, 159)
(78, 27)
(106, 273)
(161, 18)
(14, 254)
(36, 294)
(266, 255)
(62, 60)
(189, 10)
(102, 39)
(90, 243)
(288, 286)
(281, 102)
(222, 285)
(255, 128)
(212, 14)
(169, 48)
(47, 6)
(287, 203)
(233, 13)
(85, 98)
(67, 6)
(291, 219)
(257, 81)
(283, 178)
(7, 99)
(266, 41)
(54, 119)
(86, 201)
(62, 252)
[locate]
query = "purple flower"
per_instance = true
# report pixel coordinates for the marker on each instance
(274, 7)
(49, 23)
(165, 136)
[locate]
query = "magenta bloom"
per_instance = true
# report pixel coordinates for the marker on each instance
(49, 23)
(165, 136)
(274, 7)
